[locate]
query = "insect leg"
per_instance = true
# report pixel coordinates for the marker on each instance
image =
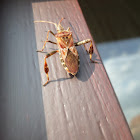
(47, 41)
(46, 68)
(83, 42)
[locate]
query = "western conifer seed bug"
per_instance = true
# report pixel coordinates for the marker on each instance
(68, 53)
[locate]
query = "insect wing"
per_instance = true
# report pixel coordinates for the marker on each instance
(72, 62)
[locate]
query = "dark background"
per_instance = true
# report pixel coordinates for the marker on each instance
(113, 19)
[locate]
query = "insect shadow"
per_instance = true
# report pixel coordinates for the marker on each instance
(86, 68)
(61, 79)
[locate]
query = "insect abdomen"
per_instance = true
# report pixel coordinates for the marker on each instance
(71, 63)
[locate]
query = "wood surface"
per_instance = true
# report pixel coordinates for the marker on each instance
(80, 108)
(85, 106)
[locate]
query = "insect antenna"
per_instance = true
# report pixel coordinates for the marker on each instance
(47, 22)
(60, 20)
(60, 28)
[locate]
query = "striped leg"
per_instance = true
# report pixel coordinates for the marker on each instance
(83, 42)
(47, 41)
(46, 68)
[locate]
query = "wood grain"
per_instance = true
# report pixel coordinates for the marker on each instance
(85, 106)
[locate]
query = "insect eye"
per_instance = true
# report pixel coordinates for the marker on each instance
(66, 37)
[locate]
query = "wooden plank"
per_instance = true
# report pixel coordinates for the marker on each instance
(83, 107)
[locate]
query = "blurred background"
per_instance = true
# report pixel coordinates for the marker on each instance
(115, 27)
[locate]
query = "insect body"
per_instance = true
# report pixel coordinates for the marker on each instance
(68, 53)
(67, 49)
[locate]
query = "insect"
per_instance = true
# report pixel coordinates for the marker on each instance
(68, 53)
